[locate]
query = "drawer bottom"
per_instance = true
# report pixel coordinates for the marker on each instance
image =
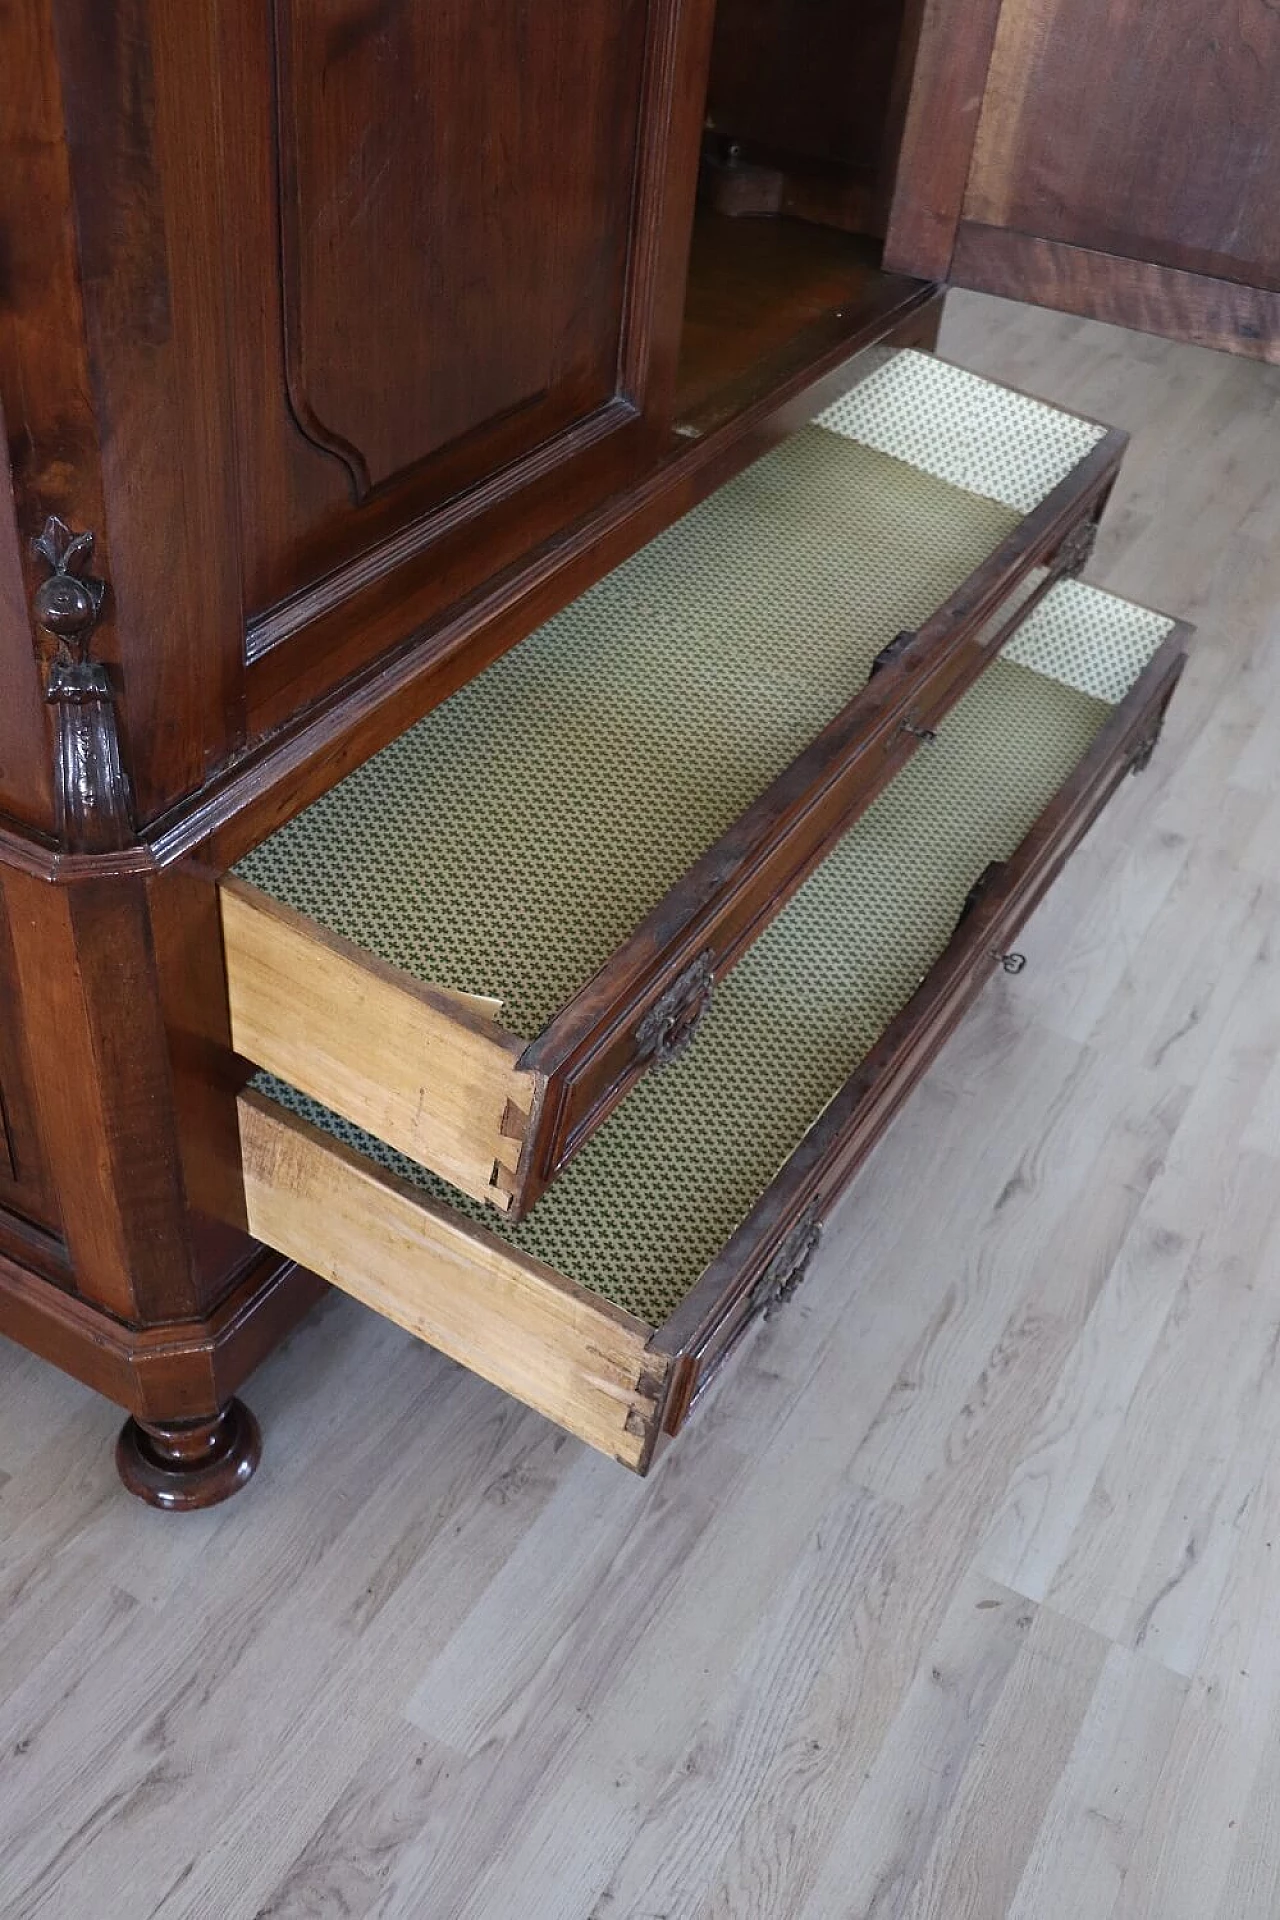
(694, 1207)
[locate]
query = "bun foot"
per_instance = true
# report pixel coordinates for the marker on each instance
(193, 1463)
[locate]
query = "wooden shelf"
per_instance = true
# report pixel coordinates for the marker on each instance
(766, 298)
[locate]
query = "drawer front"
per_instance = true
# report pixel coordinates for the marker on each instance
(495, 1299)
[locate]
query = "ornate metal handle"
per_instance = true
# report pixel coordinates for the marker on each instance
(1140, 758)
(980, 889)
(926, 735)
(789, 1265)
(1011, 962)
(675, 1015)
(1076, 551)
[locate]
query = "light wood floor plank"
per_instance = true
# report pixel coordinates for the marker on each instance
(1179, 1867)
(979, 1858)
(1086, 1840)
(879, 1853)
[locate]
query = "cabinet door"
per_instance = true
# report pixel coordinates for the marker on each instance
(322, 313)
(464, 288)
(1108, 157)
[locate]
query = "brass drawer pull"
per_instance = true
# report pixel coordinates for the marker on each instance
(1076, 551)
(789, 1265)
(1140, 757)
(675, 1015)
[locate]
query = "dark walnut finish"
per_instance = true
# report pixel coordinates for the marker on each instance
(507, 257)
(802, 109)
(767, 298)
(1103, 156)
(189, 1464)
(467, 225)
(363, 337)
(501, 200)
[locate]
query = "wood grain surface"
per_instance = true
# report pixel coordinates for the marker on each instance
(429, 1070)
(963, 1608)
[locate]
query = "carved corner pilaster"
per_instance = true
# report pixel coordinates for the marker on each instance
(94, 804)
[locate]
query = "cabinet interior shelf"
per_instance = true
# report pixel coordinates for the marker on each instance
(768, 298)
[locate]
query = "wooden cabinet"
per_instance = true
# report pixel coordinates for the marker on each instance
(344, 347)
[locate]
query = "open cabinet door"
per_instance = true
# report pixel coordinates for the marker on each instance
(1108, 157)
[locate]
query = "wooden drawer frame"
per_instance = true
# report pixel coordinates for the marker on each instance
(598, 1371)
(586, 1060)
(435, 1073)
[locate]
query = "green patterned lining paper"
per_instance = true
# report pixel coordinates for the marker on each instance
(545, 808)
(659, 1189)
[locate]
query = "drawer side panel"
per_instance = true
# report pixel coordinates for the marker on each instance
(535, 1334)
(430, 1072)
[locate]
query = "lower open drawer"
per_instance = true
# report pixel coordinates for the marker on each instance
(695, 1208)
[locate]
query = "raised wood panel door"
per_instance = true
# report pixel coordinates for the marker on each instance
(1109, 157)
(454, 209)
(463, 291)
(319, 314)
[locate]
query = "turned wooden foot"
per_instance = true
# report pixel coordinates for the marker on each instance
(193, 1463)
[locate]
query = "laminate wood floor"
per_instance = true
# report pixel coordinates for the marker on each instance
(961, 1601)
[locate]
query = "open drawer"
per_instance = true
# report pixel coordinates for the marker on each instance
(610, 1307)
(477, 942)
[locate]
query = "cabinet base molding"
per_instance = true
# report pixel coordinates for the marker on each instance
(177, 1380)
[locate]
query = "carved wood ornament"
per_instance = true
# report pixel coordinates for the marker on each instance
(94, 807)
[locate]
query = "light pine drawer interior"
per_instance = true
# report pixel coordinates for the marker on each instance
(396, 948)
(567, 1309)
